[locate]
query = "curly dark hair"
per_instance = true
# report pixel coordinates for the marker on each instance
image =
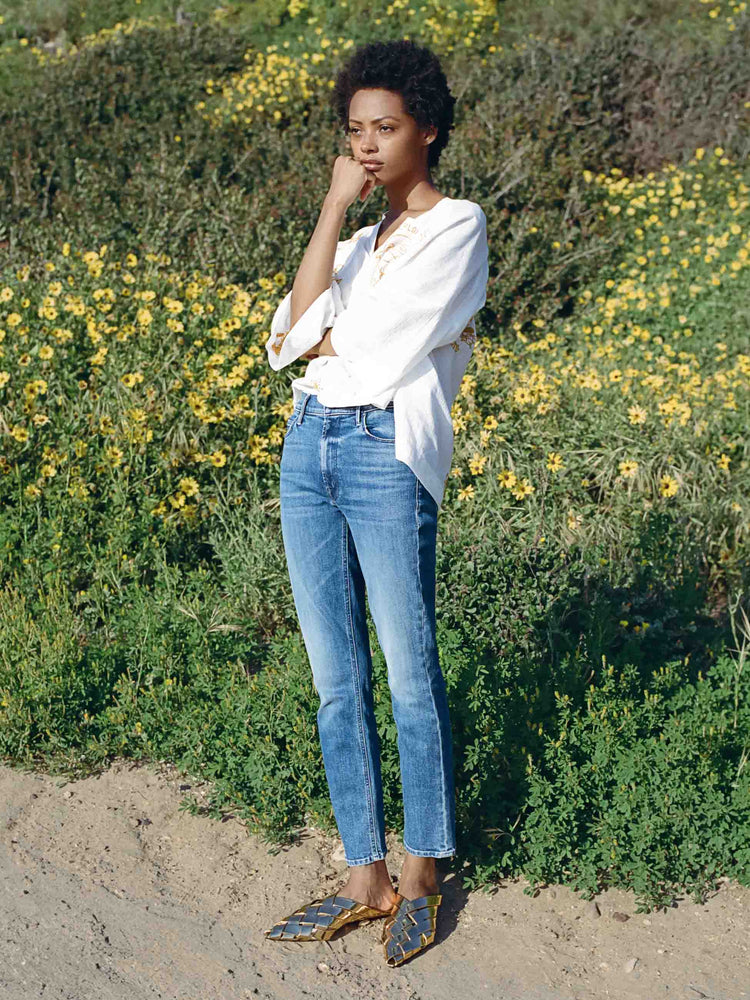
(411, 70)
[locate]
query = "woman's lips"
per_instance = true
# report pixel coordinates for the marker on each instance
(371, 164)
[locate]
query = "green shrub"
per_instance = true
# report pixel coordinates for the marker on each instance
(648, 788)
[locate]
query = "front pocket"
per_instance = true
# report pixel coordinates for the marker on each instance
(379, 425)
(291, 421)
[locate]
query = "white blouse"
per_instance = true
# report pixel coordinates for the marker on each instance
(402, 322)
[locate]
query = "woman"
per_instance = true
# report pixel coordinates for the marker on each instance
(365, 457)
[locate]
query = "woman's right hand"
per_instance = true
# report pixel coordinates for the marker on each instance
(350, 179)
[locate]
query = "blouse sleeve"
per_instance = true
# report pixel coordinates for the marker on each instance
(388, 329)
(287, 343)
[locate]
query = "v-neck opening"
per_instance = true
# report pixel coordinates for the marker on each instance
(417, 218)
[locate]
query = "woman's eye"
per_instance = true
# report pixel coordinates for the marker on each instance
(352, 129)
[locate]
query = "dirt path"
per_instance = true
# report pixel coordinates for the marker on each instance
(109, 891)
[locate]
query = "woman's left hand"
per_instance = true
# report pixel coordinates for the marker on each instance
(323, 347)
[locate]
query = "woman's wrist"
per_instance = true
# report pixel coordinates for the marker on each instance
(335, 206)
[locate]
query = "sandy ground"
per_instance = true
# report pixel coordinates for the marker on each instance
(110, 891)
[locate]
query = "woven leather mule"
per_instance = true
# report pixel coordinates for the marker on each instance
(320, 919)
(410, 927)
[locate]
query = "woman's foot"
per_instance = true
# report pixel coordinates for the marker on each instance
(371, 885)
(418, 877)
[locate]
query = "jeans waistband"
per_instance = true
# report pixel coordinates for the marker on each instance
(310, 403)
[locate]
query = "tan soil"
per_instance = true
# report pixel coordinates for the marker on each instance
(110, 891)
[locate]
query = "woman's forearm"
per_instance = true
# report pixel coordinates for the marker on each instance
(315, 271)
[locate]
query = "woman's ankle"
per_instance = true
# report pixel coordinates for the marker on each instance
(419, 877)
(371, 883)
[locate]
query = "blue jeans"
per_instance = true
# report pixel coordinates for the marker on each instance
(353, 514)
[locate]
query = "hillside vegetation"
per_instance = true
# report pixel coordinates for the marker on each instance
(163, 168)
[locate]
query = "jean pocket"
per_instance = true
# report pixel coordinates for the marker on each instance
(379, 425)
(292, 420)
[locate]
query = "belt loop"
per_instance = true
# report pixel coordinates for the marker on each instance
(302, 408)
(359, 414)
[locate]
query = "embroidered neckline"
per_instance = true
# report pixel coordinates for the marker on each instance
(402, 224)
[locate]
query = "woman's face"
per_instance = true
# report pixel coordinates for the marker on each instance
(382, 131)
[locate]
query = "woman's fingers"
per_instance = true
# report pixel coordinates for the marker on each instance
(368, 185)
(347, 179)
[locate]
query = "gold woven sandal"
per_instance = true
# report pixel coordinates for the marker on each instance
(320, 919)
(410, 927)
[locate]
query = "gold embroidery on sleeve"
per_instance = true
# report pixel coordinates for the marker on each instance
(467, 336)
(278, 341)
